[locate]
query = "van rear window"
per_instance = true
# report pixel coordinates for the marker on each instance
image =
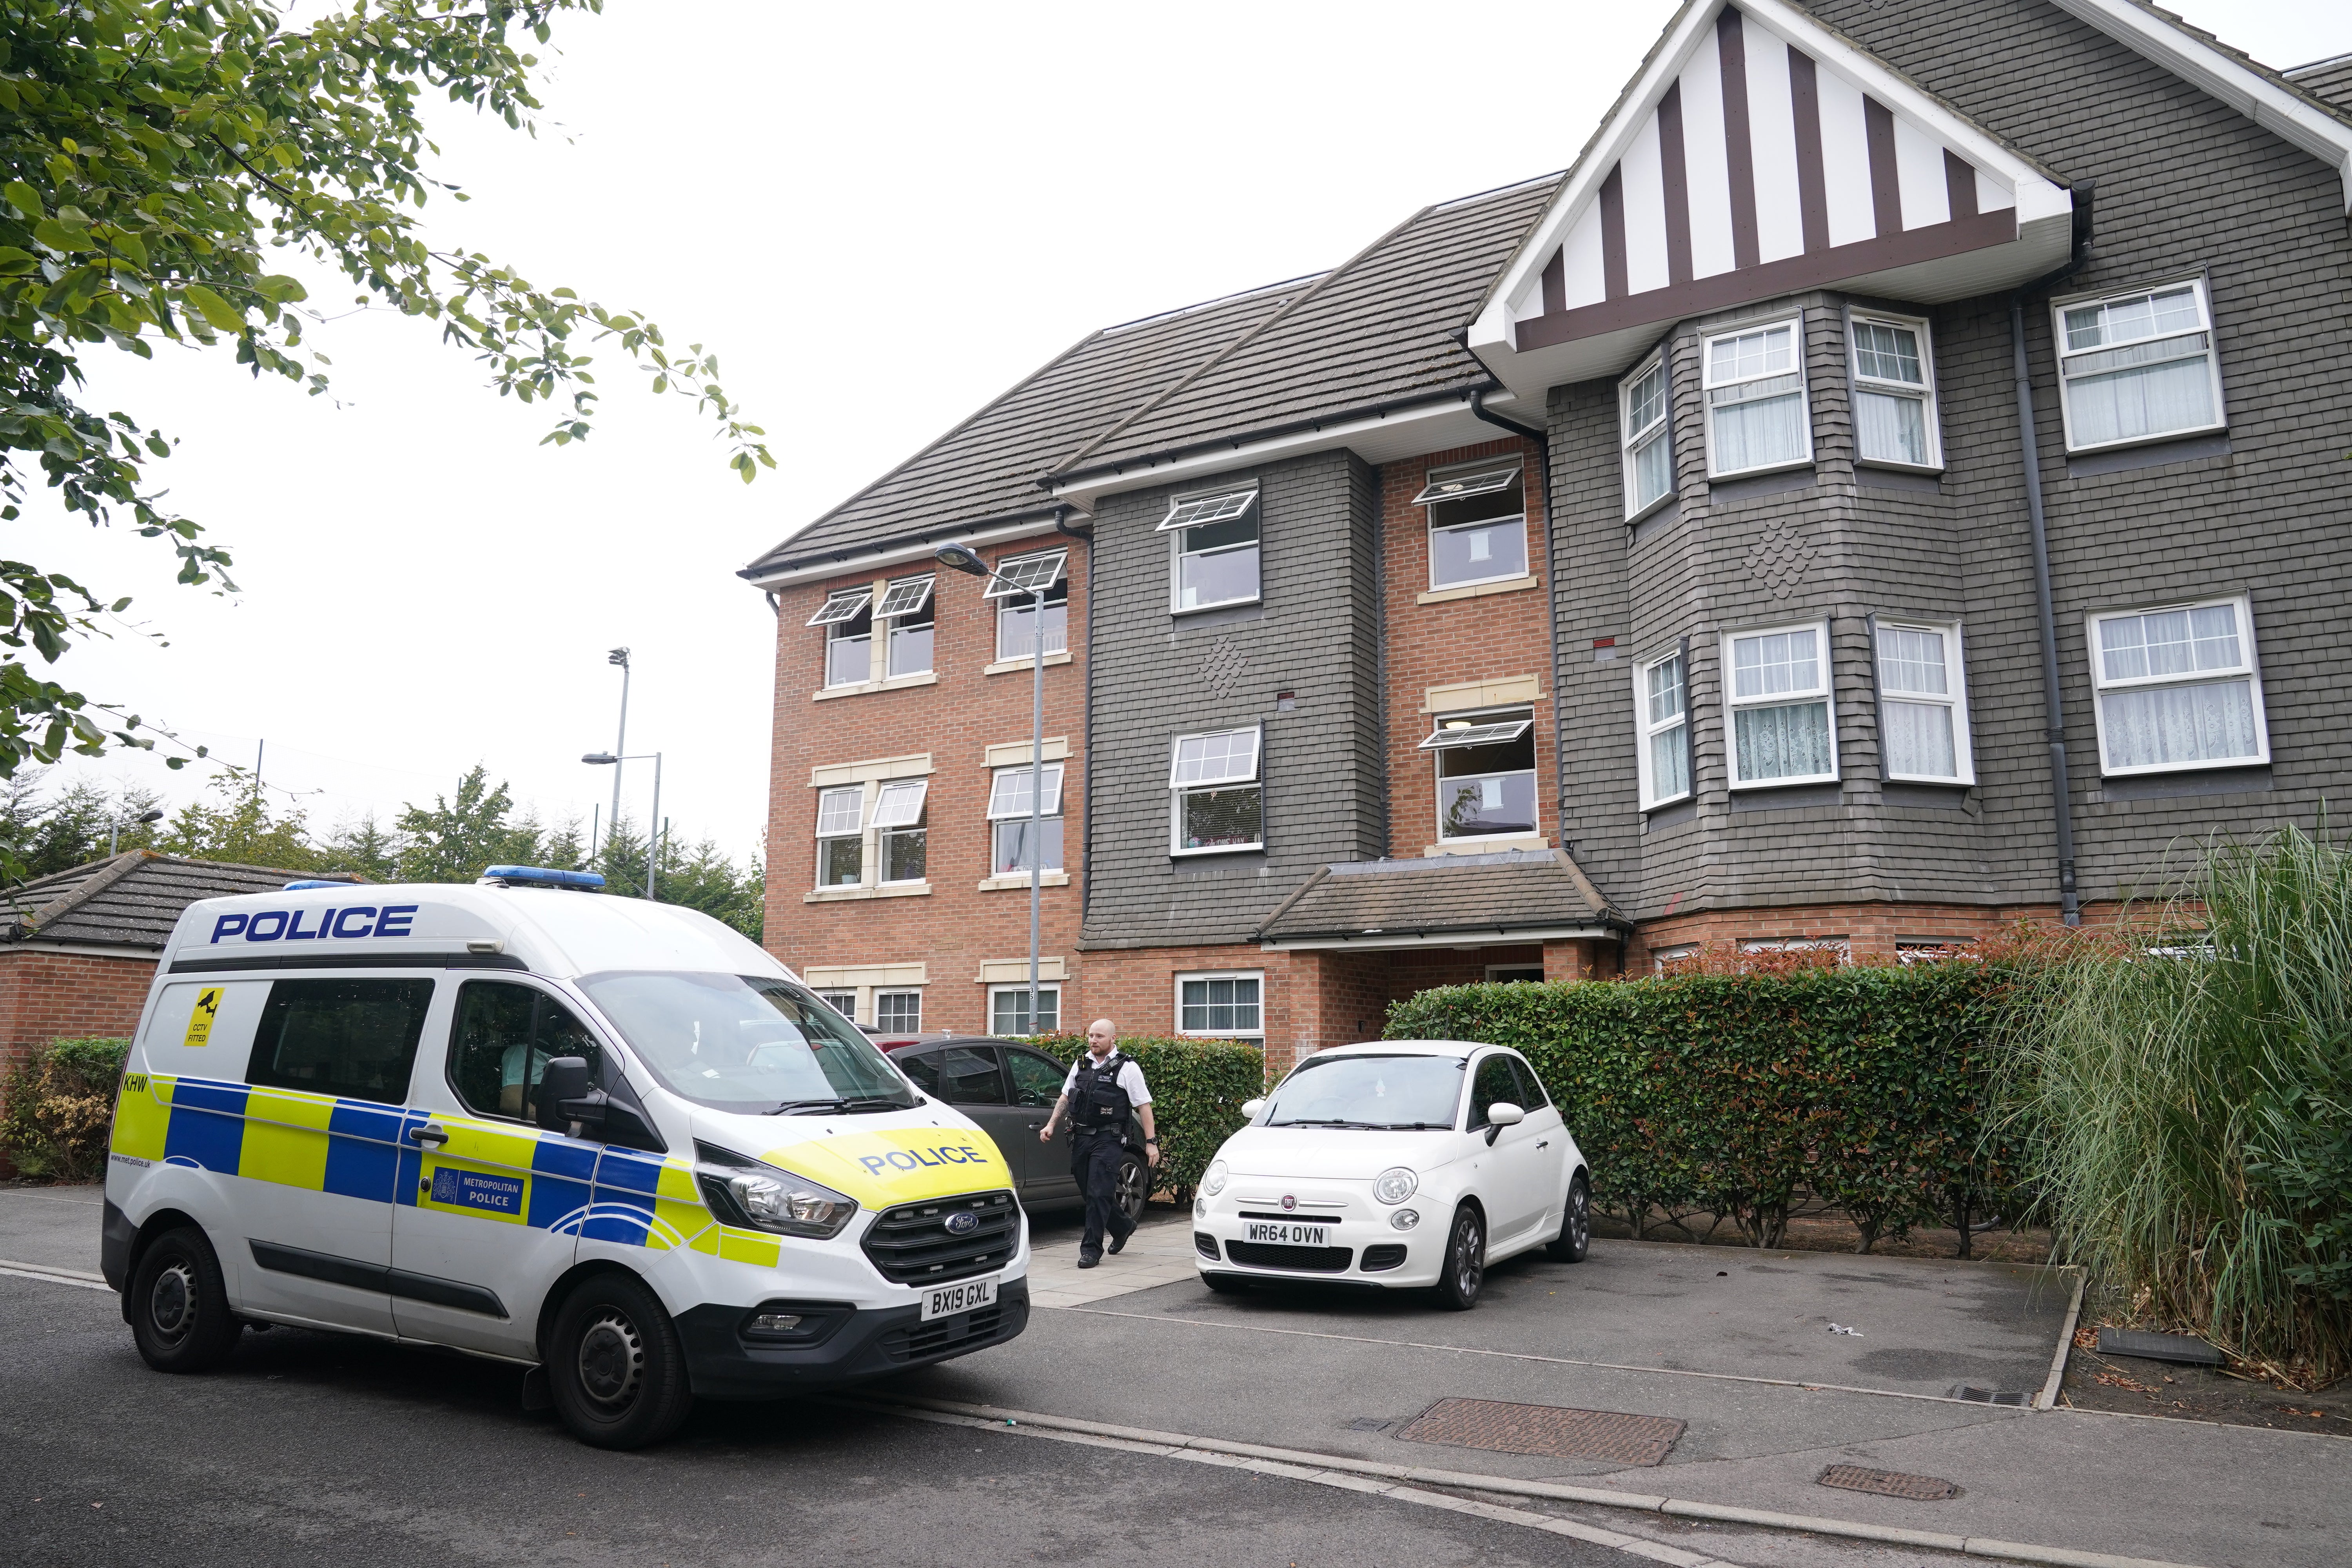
(355, 1039)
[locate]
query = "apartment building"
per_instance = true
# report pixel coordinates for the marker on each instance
(1892, 484)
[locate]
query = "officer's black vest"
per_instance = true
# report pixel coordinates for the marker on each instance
(1098, 1104)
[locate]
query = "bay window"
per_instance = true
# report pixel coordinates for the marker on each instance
(1485, 773)
(2178, 687)
(1649, 450)
(1662, 705)
(1893, 392)
(1756, 416)
(1214, 799)
(1923, 710)
(1783, 721)
(2137, 366)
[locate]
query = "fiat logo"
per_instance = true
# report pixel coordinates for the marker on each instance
(963, 1222)
(1288, 1201)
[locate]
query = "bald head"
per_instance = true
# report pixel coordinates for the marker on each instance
(1100, 1036)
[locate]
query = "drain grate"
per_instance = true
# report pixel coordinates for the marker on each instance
(1888, 1483)
(1369, 1424)
(1987, 1396)
(1547, 1429)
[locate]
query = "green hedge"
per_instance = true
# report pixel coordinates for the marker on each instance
(60, 1108)
(1197, 1091)
(1868, 1087)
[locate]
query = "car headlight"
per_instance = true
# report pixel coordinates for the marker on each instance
(766, 1198)
(1405, 1219)
(1395, 1185)
(1213, 1181)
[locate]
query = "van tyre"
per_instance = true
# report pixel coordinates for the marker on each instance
(614, 1365)
(1575, 1237)
(1465, 1271)
(178, 1305)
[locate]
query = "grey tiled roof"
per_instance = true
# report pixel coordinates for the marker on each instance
(1518, 889)
(1379, 330)
(130, 901)
(985, 469)
(2330, 81)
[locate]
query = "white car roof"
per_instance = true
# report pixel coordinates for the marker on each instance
(1407, 1048)
(551, 932)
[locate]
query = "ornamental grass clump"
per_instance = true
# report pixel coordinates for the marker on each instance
(2186, 1106)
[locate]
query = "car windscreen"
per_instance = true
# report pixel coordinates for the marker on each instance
(1368, 1091)
(745, 1043)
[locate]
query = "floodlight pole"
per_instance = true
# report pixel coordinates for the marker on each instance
(619, 656)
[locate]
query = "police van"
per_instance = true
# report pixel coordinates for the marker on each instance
(602, 1138)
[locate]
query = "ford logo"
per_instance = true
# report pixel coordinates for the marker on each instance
(1288, 1203)
(963, 1222)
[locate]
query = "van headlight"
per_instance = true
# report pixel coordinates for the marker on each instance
(1213, 1181)
(765, 1198)
(1395, 1185)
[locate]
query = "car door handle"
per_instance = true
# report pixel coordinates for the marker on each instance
(427, 1133)
(1545, 1144)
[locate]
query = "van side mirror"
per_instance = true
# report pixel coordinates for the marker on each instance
(1502, 1114)
(567, 1094)
(1250, 1108)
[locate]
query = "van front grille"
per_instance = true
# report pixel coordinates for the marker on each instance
(917, 1243)
(967, 1329)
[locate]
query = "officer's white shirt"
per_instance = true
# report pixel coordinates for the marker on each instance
(1130, 1078)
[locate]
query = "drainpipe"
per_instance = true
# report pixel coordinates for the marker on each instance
(2030, 448)
(1085, 534)
(1478, 410)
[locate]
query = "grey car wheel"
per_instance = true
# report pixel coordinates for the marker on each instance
(1465, 1262)
(1133, 1186)
(1576, 1229)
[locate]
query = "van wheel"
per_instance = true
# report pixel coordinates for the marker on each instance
(1575, 1237)
(1465, 1262)
(614, 1366)
(178, 1305)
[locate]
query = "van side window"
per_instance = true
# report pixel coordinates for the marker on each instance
(504, 1038)
(355, 1039)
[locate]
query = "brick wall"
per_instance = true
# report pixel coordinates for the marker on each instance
(954, 928)
(46, 996)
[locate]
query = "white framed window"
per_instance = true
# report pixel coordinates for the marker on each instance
(1783, 720)
(1756, 414)
(899, 1011)
(1485, 773)
(849, 644)
(840, 837)
(1018, 574)
(841, 605)
(1662, 956)
(1477, 524)
(1643, 409)
(1662, 717)
(1216, 549)
(2138, 366)
(842, 1002)
(1215, 802)
(1009, 826)
(901, 840)
(1514, 974)
(2178, 687)
(1923, 704)
(1008, 1009)
(909, 609)
(1016, 624)
(1225, 1005)
(1836, 944)
(1895, 418)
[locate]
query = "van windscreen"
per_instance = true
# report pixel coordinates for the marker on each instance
(751, 1043)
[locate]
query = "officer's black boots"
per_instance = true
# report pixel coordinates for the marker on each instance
(1089, 1257)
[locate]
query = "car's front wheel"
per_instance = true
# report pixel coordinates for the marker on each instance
(614, 1365)
(1133, 1186)
(1575, 1237)
(179, 1305)
(1464, 1272)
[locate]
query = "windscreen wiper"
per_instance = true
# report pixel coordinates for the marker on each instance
(1326, 1121)
(804, 1107)
(1408, 1126)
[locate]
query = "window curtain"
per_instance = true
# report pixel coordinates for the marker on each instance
(1759, 433)
(2213, 722)
(1891, 429)
(1790, 743)
(2147, 400)
(1652, 474)
(1669, 765)
(1919, 740)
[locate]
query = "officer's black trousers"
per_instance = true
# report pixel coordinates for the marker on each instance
(1094, 1161)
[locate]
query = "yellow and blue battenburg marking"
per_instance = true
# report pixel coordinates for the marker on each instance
(496, 1172)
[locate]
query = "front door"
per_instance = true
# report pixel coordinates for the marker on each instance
(491, 1207)
(1513, 1165)
(1036, 1084)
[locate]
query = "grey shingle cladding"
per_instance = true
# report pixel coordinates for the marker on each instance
(130, 901)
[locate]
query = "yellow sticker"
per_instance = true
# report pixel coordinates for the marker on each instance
(200, 1022)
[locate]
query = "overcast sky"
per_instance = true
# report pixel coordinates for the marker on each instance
(878, 217)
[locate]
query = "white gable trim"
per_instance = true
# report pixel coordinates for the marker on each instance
(2199, 63)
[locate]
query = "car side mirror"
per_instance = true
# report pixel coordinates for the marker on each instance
(1250, 1108)
(567, 1095)
(1502, 1114)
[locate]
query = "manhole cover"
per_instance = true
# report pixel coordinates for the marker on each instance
(1546, 1429)
(1888, 1483)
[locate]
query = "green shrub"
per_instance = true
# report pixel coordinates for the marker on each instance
(1869, 1087)
(60, 1108)
(2189, 1100)
(1197, 1091)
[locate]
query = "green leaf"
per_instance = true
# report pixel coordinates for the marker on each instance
(23, 197)
(214, 309)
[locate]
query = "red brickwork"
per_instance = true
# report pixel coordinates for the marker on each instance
(954, 927)
(48, 996)
(1873, 932)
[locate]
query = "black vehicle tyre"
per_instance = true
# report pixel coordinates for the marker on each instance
(614, 1365)
(1465, 1262)
(1225, 1284)
(179, 1305)
(1134, 1185)
(1575, 1238)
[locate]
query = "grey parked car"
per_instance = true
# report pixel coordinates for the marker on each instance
(1009, 1088)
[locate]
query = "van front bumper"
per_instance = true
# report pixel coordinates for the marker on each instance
(839, 1344)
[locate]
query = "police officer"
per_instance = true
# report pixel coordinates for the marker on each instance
(1102, 1086)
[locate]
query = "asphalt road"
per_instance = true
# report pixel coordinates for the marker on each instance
(316, 1447)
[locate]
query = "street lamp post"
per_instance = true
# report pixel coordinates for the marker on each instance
(654, 825)
(619, 656)
(114, 830)
(962, 559)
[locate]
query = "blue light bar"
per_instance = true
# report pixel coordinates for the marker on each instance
(300, 886)
(541, 877)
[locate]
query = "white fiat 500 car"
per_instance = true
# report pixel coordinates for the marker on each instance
(1398, 1164)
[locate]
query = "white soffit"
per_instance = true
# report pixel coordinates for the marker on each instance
(2274, 108)
(1690, 64)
